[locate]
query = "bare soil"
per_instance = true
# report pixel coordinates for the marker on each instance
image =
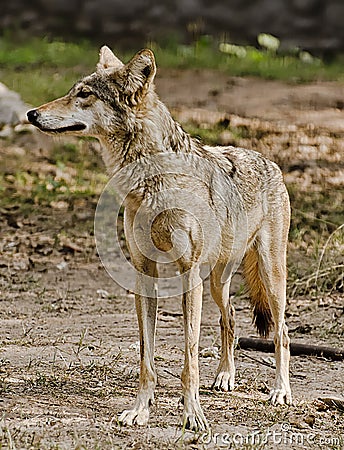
(69, 339)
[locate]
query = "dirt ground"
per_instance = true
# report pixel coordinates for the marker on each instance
(69, 339)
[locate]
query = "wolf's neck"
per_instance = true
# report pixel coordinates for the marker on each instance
(155, 132)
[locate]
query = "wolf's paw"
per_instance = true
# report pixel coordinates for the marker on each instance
(194, 419)
(280, 397)
(135, 416)
(224, 381)
(195, 422)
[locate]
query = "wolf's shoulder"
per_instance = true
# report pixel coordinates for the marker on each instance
(243, 160)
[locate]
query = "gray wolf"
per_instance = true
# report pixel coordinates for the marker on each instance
(238, 191)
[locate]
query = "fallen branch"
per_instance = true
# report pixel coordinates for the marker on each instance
(333, 402)
(266, 345)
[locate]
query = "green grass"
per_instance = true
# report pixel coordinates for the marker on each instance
(40, 69)
(206, 53)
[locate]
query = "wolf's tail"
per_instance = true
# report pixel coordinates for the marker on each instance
(259, 301)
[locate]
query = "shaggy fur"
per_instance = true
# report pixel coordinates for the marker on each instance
(194, 203)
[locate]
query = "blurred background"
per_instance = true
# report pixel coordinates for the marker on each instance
(315, 25)
(299, 40)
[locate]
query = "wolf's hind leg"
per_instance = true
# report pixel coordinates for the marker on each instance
(225, 374)
(272, 269)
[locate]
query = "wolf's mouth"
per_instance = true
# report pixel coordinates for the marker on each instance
(75, 127)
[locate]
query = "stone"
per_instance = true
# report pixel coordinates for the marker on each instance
(12, 108)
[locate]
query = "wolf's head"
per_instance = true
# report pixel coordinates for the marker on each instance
(106, 102)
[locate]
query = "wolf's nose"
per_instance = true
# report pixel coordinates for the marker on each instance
(32, 115)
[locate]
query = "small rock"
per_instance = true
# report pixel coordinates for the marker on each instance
(60, 205)
(12, 108)
(135, 346)
(62, 265)
(21, 262)
(102, 293)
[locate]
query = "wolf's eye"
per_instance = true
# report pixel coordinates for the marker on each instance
(83, 94)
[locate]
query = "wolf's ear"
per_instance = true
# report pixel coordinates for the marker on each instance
(108, 61)
(140, 72)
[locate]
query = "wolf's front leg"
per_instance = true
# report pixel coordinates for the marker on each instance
(193, 417)
(146, 309)
(224, 380)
